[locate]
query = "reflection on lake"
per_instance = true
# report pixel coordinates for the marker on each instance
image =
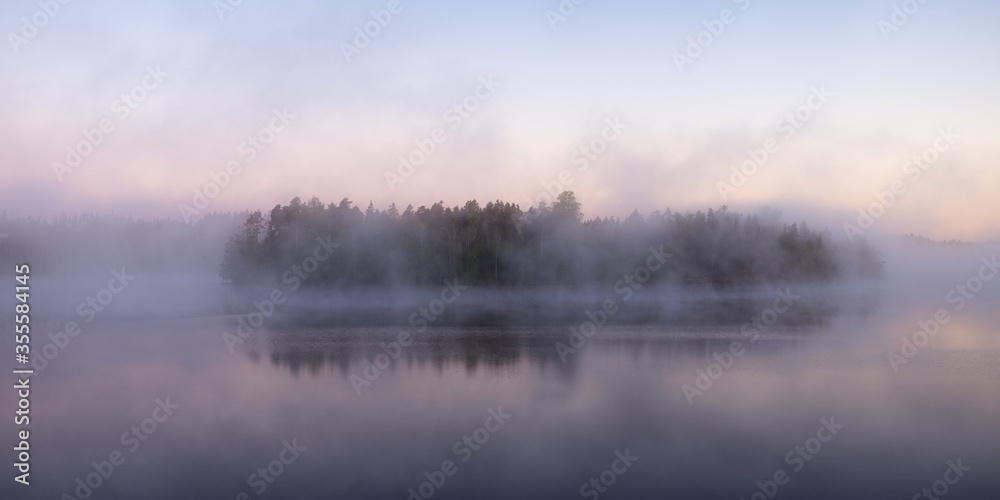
(772, 408)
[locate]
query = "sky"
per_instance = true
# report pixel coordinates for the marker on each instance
(829, 102)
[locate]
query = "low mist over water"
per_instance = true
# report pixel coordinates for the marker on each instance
(709, 407)
(833, 388)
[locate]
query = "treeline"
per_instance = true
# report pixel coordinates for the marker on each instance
(500, 245)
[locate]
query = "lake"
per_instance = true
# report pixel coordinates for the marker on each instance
(811, 408)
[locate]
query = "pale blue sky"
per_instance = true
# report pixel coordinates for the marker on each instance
(609, 59)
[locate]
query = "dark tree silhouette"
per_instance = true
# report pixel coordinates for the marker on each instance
(500, 245)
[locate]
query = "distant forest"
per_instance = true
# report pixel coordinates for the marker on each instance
(500, 245)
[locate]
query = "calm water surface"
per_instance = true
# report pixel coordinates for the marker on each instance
(622, 393)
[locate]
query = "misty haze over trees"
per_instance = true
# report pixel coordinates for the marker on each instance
(74, 245)
(500, 245)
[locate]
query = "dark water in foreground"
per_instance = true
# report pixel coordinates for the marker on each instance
(621, 394)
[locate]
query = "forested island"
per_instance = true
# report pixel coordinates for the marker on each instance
(500, 245)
